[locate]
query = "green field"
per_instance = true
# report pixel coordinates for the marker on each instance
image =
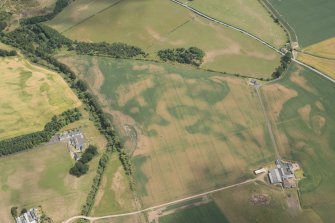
(248, 15)
(240, 205)
(302, 107)
(154, 25)
(30, 96)
(208, 213)
(312, 21)
(196, 130)
(114, 195)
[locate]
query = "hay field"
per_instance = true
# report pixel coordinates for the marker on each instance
(41, 177)
(313, 21)
(195, 130)
(154, 25)
(249, 15)
(239, 204)
(30, 96)
(325, 65)
(301, 107)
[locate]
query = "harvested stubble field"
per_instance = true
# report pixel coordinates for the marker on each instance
(154, 25)
(301, 107)
(312, 21)
(325, 65)
(30, 96)
(249, 15)
(196, 130)
(41, 177)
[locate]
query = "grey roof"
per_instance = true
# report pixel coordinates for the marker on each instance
(275, 176)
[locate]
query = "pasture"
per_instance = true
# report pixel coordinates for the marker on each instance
(195, 130)
(301, 108)
(312, 21)
(260, 203)
(207, 213)
(41, 177)
(154, 25)
(114, 195)
(248, 15)
(30, 96)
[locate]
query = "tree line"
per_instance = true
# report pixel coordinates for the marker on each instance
(81, 166)
(59, 6)
(28, 141)
(5, 53)
(39, 43)
(192, 55)
(284, 62)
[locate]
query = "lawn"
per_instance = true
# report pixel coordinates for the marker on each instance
(301, 107)
(154, 25)
(313, 21)
(207, 213)
(240, 205)
(195, 130)
(248, 15)
(30, 96)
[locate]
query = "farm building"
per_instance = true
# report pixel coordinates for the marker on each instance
(283, 174)
(259, 171)
(30, 216)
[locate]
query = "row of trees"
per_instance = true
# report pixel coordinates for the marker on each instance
(284, 62)
(5, 53)
(117, 50)
(60, 5)
(192, 55)
(25, 142)
(81, 166)
(39, 43)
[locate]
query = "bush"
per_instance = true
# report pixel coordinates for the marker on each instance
(192, 55)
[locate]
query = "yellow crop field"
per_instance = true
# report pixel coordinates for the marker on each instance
(30, 96)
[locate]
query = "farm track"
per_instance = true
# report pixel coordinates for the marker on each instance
(92, 219)
(251, 36)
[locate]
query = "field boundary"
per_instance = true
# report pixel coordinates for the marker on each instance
(84, 20)
(161, 205)
(254, 37)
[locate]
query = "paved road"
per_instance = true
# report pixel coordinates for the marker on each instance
(251, 36)
(158, 206)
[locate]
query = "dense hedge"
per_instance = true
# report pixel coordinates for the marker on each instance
(60, 5)
(5, 53)
(117, 50)
(24, 142)
(192, 55)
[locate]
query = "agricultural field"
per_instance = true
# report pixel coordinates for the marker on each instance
(301, 108)
(324, 65)
(248, 15)
(312, 21)
(260, 203)
(30, 96)
(154, 25)
(324, 49)
(41, 177)
(195, 130)
(207, 213)
(114, 195)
